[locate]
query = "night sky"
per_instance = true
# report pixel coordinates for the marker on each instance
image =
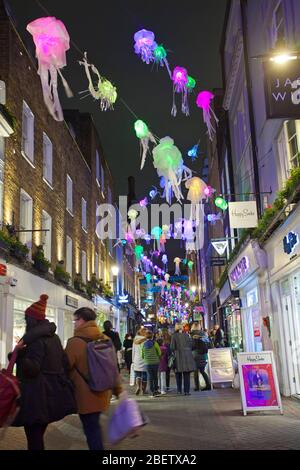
(190, 31)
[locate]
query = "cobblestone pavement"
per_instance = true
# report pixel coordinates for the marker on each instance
(204, 420)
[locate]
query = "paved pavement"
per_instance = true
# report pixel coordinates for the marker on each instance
(205, 420)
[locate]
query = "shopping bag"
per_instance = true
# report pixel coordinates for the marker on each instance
(126, 421)
(132, 376)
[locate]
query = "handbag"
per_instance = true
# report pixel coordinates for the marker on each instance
(172, 361)
(126, 420)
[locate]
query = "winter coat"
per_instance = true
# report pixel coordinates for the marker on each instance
(181, 344)
(47, 394)
(114, 336)
(127, 345)
(163, 363)
(76, 349)
(151, 352)
(200, 345)
(138, 361)
(219, 339)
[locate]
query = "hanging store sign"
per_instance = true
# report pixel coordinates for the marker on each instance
(220, 363)
(282, 89)
(71, 301)
(243, 214)
(123, 299)
(220, 247)
(218, 261)
(258, 382)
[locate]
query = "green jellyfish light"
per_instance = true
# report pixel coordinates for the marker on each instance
(221, 203)
(145, 136)
(138, 251)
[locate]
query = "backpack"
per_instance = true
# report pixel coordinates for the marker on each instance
(200, 346)
(9, 393)
(102, 365)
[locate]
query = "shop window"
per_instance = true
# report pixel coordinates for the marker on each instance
(27, 133)
(69, 255)
(47, 158)
(69, 195)
(68, 327)
(252, 298)
(47, 235)
(83, 266)
(26, 207)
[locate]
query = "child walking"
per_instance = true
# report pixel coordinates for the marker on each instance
(151, 355)
(163, 366)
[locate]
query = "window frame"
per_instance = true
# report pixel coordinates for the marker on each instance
(69, 260)
(84, 215)
(47, 160)
(69, 209)
(27, 137)
(47, 235)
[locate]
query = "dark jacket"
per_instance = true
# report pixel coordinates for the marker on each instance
(114, 336)
(46, 392)
(200, 348)
(219, 338)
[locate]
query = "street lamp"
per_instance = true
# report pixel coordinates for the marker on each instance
(194, 288)
(115, 270)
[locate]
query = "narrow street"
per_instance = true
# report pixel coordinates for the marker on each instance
(203, 421)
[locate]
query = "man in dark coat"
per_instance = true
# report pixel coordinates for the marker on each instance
(46, 392)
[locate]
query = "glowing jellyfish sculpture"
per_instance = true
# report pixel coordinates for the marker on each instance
(196, 187)
(168, 161)
(160, 57)
(104, 91)
(51, 40)
(156, 232)
(177, 262)
(138, 251)
(145, 45)
(145, 136)
(180, 81)
(203, 101)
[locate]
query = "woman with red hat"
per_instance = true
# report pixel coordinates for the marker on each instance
(46, 392)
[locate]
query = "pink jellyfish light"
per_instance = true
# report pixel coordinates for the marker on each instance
(145, 45)
(51, 40)
(180, 80)
(203, 101)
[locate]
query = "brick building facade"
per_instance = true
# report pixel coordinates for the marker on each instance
(55, 176)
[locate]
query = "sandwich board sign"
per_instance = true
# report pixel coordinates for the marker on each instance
(220, 364)
(258, 382)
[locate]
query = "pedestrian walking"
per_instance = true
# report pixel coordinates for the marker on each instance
(90, 404)
(181, 345)
(151, 355)
(47, 394)
(167, 341)
(127, 345)
(218, 337)
(163, 365)
(139, 363)
(200, 343)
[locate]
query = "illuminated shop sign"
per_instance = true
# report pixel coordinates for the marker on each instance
(123, 299)
(240, 270)
(290, 241)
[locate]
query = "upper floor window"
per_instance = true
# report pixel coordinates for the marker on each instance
(97, 265)
(83, 266)
(27, 132)
(69, 254)
(83, 214)
(98, 173)
(69, 195)
(102, 180)
(47, 234)
(47, 158)
(278, 32)
(26, 213)
(288, 143)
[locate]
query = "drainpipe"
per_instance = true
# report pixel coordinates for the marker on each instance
(244, 4)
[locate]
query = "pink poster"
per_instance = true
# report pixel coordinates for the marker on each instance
(259, 385)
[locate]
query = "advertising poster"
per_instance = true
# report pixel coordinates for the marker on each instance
(220, 365)
(259, 384)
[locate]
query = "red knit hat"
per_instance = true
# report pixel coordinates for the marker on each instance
(38, 309)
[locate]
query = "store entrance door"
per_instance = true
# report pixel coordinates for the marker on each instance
(291, 327)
